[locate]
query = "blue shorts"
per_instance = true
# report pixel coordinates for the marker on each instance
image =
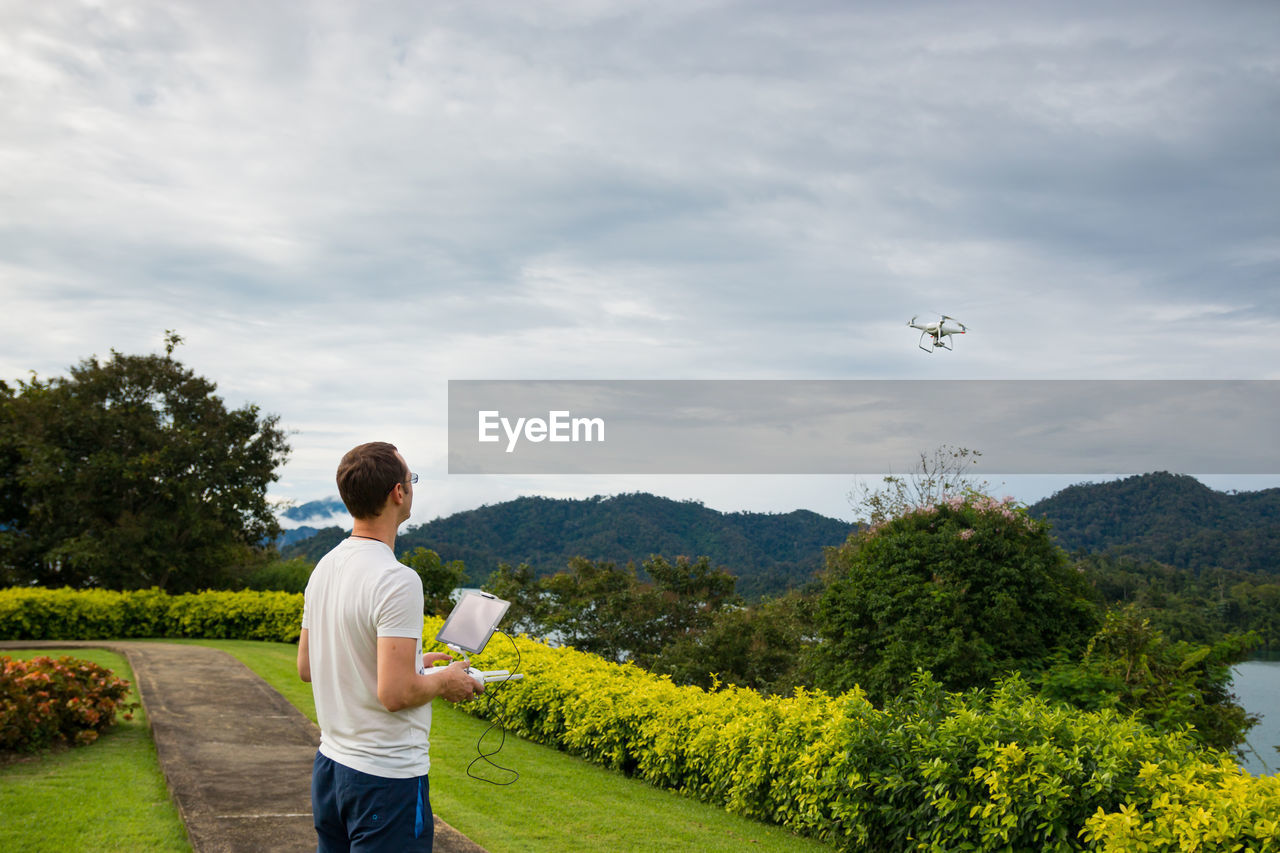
(356, 812)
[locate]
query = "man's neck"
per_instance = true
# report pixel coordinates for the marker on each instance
(374, 529)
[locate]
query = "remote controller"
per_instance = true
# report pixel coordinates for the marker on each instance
(485, 676)
(489, 676)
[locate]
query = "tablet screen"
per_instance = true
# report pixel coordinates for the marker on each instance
(472, 621)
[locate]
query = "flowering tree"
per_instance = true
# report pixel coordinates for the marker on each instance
(939, 477)
(968, 588)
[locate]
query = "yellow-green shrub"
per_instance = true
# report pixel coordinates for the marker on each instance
(1192, 806)
(243, 615)
(33, 613)
(1000, 769)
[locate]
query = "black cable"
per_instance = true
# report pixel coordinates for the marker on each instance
(487, 757)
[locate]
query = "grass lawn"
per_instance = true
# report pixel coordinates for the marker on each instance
(559, 804)
(107, 796)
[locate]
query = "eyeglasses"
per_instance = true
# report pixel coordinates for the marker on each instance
(413, 478)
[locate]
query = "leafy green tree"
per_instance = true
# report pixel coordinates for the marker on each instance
(132, 473)
(282, 575)
(1129, 664)
(687, 596)
(967, 589)
(600, 608)
(1255, 606)
(519, 586)
(608, 610)
(1197, 606)
(768, 647)
(439, 579)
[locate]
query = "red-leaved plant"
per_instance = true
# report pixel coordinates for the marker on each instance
(45, 701)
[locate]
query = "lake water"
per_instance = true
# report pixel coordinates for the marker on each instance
(1257, 686)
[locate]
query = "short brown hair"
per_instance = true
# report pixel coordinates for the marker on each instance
(365, 476)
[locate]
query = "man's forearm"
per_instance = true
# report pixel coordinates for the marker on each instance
(413, 691)
(401, 686)
(304, 656)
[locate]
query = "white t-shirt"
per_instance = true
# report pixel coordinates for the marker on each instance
(357, 593)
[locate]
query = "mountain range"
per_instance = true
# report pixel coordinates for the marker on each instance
(768, 552)
(1172, 518)
(324, 509)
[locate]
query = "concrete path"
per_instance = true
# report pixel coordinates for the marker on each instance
(237, 756)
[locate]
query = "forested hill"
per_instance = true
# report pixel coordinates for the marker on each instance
(769, 553)
(1172, 518)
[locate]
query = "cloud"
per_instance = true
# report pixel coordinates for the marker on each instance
(341, 206)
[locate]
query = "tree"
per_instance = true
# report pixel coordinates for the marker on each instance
(282, 576)
(768, 647)
(527, 613)
(934, 479)
(968, 589)
(687, 597)
(1131, 665)
(439, 579)
(600, 608)
(132, 473)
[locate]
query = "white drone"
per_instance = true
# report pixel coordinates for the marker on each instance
(938, 332)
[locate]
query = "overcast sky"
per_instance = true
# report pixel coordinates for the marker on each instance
(343, 205)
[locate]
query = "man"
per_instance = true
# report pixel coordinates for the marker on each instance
(361, 650)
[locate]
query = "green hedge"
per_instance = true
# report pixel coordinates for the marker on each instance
(32, 613)
(998, 769)
(984, 770)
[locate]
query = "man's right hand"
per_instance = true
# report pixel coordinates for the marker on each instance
(456, 684)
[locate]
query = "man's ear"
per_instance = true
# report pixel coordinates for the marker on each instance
(395, 497)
